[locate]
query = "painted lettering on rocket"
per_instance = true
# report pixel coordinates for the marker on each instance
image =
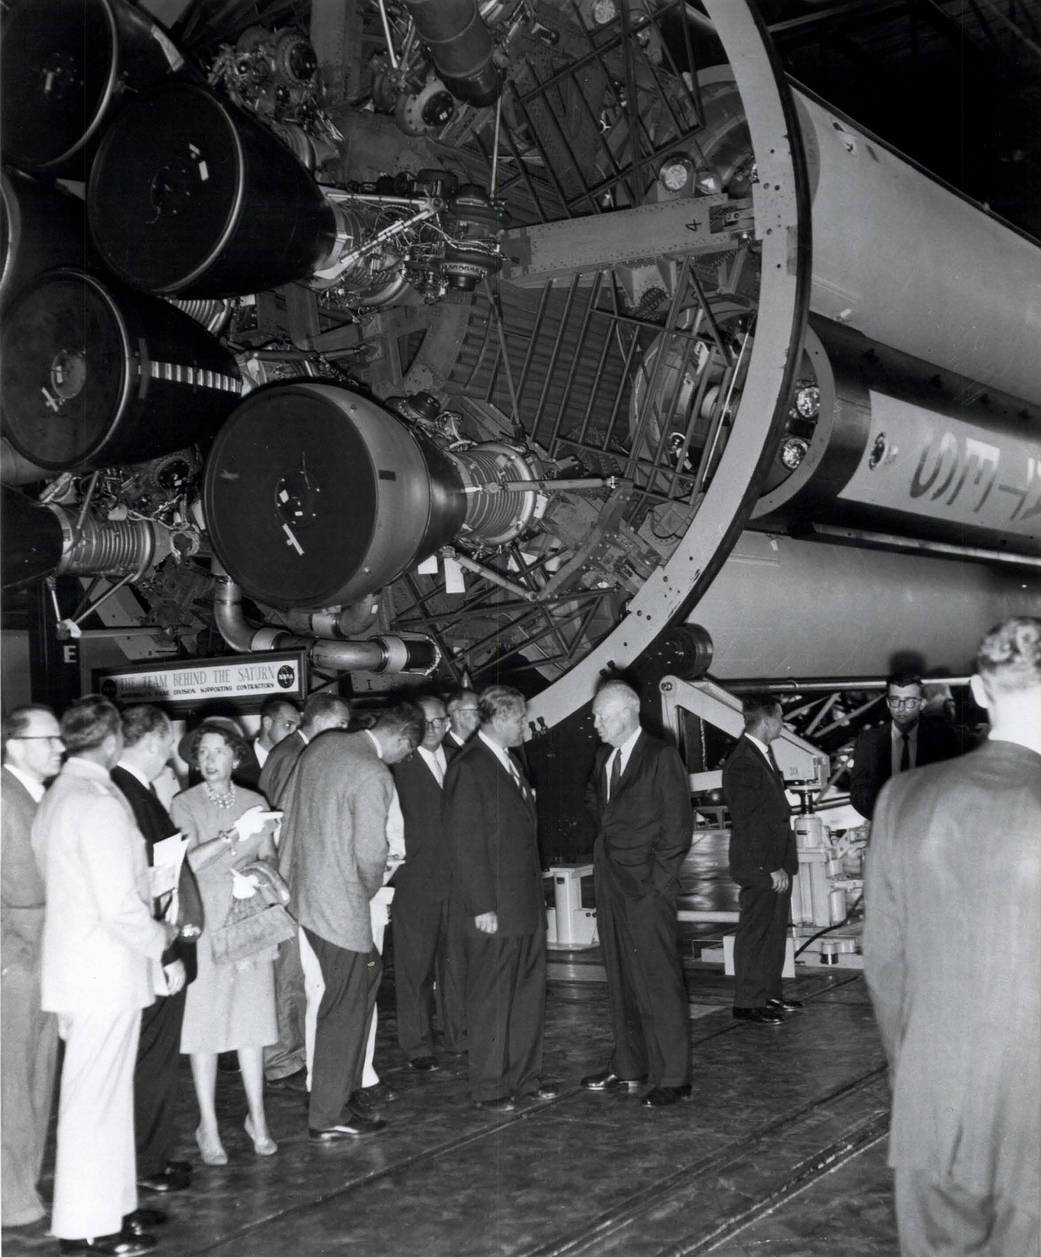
(1032, 488)
(948, 464)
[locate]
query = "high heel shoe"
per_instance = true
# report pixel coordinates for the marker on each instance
(210, 1148)
(262, 1147)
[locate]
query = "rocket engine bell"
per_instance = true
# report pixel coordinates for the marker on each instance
(315, 496)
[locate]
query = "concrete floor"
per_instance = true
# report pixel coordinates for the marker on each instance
(782, 1151)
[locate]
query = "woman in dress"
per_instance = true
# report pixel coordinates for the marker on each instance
(229, 1006)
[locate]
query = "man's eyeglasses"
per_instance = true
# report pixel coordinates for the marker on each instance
(904, 704)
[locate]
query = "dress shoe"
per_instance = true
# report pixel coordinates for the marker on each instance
(504, 1104)
(178, 1167)
(607, 1081)
(764, 1016)
(424, 1064)
(544, 1091)
(121, 1244)
(659, 1097)
(138, 1222)
(296, 1081)
(165, 1181)
(372, 1097)
(784, 1005)
(265, 1147)
(354, 1125)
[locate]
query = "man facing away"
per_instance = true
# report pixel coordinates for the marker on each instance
(333, 853)
(147, 742)
(952, 958)
(489, 815)
(101, 950)
(285, 1061)
(645, 825)
(32, 749)
(763, 861)
(420, 919)
(908, 739)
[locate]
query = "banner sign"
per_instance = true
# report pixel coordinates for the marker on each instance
(243, 680)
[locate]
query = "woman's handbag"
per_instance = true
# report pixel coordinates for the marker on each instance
(257, 924)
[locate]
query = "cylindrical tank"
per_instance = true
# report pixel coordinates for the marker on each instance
(460, 47)
(41, 227)
(191, 196)
(66, 65)
(95, 373)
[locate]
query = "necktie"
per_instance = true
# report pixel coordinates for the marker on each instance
(773, 762)
(155, 792)
(438, 767)
(905, 753)
(616, 775)
(518, 779)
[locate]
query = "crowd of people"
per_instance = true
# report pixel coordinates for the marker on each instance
(265, 941)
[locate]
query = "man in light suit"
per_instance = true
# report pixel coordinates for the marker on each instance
(907, 740)
(489, 815)
(420, 917)
(285, 1064)
(147, 743)
(642, 800)
(763, 861)
(31, 756)
(333, 853)
(101, 951)
(952, 957)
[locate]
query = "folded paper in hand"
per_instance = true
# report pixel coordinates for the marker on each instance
(167, 858)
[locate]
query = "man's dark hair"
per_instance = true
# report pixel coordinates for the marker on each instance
(87, 722)
(1009, 657)
(499, 700)
(140, 720)
(900, 679)
(323, 703)
(17, 721)
(754, 707)
(403, 717)
(270, 707)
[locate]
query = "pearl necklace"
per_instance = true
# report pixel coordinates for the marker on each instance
(223, 801)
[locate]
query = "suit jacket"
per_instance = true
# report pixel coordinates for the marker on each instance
(645, 830)
(873, 758)
(952, 957)
(153, 820)
(99, 935)
(492, 830)
(333, 850)
(761, 837)
(247, 770)
(279, 765)
(22, 892)
(425, 873)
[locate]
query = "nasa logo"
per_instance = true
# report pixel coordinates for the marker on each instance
(286, 676)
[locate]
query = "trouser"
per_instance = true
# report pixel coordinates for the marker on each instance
(937, 1217)
(287, 1055)
(155, 1083)
(646, 994)
(759, 945)
(28, 1044)
(351, 981)
(95, 1184)
(505, 1012)
(451, 981)
(420, 927)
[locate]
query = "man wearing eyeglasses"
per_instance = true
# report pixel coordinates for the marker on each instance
(32, 748)
(905, 741)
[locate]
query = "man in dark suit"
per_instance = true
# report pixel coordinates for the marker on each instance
(464, 719)
(285, 1062)
(278, 719)
(489, 815)
(147, 740)
(642, 800)
(32, 747)
(333, 853)
(763, 861)
(907, 740)
(420, 914)
(952, 957)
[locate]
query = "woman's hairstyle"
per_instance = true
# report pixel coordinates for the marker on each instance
(232, 738)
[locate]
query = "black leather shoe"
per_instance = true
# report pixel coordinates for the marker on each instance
(659, 1097)
(178, 1167)
(504, 1104)
(296, 1081)
(546, 1091)
(784, 1005)
(424, 1064)
(763, 1016)
(355, 1125)
(166, 1181)
(367, 1098)
(138, 1222)
(120, 1244)
(607, 1081)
